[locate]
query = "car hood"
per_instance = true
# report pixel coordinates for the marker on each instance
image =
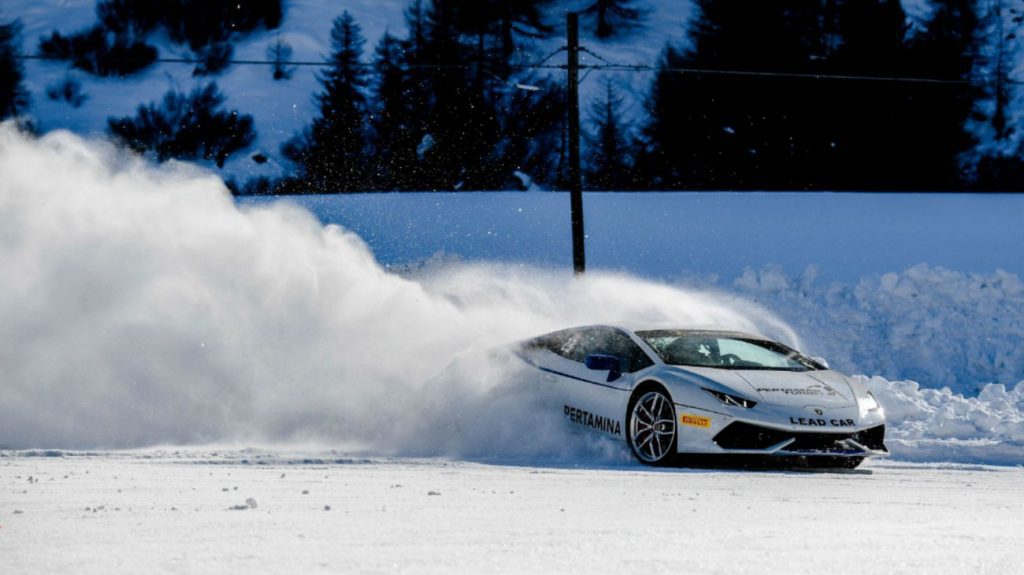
(790, 388)
(799, 388)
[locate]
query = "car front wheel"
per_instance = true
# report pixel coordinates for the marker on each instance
(652, 427)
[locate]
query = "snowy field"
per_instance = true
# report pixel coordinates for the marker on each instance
(194, 511)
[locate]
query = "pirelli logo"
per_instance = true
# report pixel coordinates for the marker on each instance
(695, 420)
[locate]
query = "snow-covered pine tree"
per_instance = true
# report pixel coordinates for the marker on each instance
(995, 160)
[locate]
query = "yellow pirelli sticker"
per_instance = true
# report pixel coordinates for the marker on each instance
(695, 420)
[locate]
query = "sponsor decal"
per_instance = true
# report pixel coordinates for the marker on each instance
(695, 420)
(587, 419)
(813, 389)
(813, 422)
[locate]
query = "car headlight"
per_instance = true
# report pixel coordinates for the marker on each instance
(868, 403)
(731, 399)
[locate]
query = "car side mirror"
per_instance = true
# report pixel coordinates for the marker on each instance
(600, 362)
(822, 361)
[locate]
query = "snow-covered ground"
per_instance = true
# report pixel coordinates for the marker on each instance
(201, 511)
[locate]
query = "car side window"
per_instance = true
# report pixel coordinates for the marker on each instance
(607, 341)
(562, 343)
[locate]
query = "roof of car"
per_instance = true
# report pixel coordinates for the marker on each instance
(707, 329)
(703, 330)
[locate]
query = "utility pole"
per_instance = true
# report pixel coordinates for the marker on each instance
(579, 259)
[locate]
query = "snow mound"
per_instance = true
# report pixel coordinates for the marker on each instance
(930, 324)
(939, 425)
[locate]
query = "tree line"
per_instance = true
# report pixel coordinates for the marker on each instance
(755, 94)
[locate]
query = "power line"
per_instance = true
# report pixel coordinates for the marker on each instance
(775, 74)
(605, 66)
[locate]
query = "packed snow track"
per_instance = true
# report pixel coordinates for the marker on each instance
(201, 511)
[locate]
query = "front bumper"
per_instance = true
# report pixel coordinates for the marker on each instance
(743, 438)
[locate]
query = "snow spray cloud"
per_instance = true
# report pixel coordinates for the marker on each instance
(139, 306)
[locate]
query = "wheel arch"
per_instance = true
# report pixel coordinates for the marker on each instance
(648, 384)
(644, 386)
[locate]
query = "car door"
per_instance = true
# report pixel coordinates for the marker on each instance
(596, 398)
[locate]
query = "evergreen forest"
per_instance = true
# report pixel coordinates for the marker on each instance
(754, 95)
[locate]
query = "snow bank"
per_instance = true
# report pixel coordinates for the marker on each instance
(928, 324)
(142, 307)
(939, 425)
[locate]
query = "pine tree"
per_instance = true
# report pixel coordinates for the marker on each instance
(945, 48)
(13, 97)
(463, 131)
(868, 146)
(613, 17)
(532, 127)
(739, 131)
(872, 37)
(332, 152)
(937, 120)
(522, 17)
(995, 159)
(608, 168)
(758, 34)
(397, 130)
(680, 119)
(186, 127)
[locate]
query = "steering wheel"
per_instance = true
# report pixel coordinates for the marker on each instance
(730, 359)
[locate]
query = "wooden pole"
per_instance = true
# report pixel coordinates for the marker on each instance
(579, 260)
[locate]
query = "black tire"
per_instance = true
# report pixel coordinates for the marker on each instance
(651, 428)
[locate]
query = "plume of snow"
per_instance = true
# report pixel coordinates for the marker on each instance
(139, 306)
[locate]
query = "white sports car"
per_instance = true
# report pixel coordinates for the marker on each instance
(704, 393)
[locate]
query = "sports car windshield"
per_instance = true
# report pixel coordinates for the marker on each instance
(725, 351)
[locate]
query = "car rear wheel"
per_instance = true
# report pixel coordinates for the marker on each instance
(652, 427)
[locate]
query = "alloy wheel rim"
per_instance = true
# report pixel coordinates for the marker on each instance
(652, 426)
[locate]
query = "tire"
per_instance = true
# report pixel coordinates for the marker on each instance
(651, 429)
